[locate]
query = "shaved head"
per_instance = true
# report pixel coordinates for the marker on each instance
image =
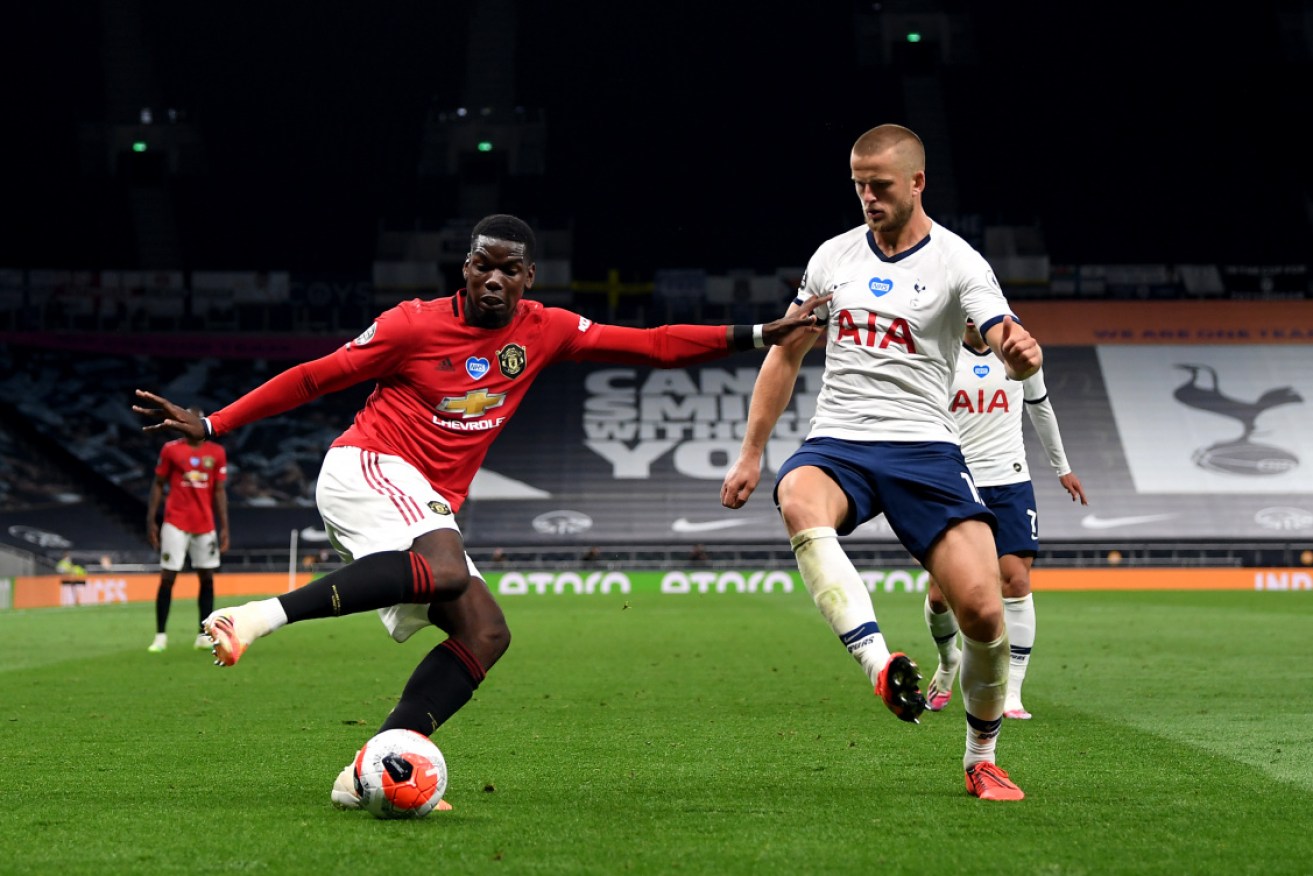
(907, 147)
(888, 166)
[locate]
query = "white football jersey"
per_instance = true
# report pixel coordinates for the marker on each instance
(894, 329)
(987, 407)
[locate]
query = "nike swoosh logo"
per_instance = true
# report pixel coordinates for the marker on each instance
(683, 524)
(1093, 521)
(837, 286)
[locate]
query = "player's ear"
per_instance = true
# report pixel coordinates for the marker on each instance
(530, 274)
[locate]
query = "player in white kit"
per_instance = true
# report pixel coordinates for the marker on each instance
(987, 407)
(882, 440)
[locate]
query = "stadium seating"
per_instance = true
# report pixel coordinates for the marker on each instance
(646, 474)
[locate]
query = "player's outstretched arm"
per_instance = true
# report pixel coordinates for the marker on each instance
(681, 345)
(799, 320)
(279, 394)
(170, 416)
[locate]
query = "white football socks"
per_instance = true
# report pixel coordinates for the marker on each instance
(1019, 614)
(984, 689)
(841, 595)
(943, 629)
(271, 610)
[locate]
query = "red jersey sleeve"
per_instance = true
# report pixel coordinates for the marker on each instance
(667, 346)
(376, 352)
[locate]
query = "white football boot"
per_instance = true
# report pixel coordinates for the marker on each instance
(232, 630)
(344, 794)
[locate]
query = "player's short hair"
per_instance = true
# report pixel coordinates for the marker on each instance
(503, 226)
(883, 137)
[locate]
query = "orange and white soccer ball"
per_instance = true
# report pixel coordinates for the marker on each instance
(400, 774)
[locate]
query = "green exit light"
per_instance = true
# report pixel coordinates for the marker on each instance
(914, 37)
(485, 145)
(139, 146)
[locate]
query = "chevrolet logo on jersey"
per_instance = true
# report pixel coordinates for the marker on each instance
(473, 403)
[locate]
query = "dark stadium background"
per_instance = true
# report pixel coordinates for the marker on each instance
(672, 136)
(676, 133)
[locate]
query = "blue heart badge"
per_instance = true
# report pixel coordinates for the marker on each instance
(981, 370)
(476, 366)
(880, 286)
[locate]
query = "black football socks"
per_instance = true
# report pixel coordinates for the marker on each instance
(205, 599)
(443, 682)
(163, 599)
(376, 581)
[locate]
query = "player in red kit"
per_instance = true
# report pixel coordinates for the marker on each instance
(194, 469)
(449, 373)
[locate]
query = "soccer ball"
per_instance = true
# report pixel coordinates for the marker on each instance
(400, 774)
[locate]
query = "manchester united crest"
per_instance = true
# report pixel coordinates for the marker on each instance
(511, 359)
(440, 508)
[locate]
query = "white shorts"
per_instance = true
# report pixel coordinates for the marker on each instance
(175, 545)
(372, 502)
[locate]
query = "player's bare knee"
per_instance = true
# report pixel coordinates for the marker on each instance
(450, 582)
(788, 510)
(981, 621)
(799, 517)
(935, 598)
(1016, 586)
(494, 641)
(487, 636)
(451, 575)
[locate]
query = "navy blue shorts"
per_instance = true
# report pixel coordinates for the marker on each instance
(1018, 523)
(921, 487)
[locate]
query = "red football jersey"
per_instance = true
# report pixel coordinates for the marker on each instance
(445, 388)
(192, 474)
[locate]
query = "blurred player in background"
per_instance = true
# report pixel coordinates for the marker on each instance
(987, 407)
(881, 440)
(194, 470)
(450, 374)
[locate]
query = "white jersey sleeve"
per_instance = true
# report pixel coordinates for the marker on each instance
(1045, 421)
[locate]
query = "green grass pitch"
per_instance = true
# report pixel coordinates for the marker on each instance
(1173, 734)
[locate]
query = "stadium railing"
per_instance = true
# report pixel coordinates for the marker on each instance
(1285, 554)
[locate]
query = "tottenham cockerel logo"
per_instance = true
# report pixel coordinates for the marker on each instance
(1240, 455)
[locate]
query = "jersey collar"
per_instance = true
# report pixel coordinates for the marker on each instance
(896, 257)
